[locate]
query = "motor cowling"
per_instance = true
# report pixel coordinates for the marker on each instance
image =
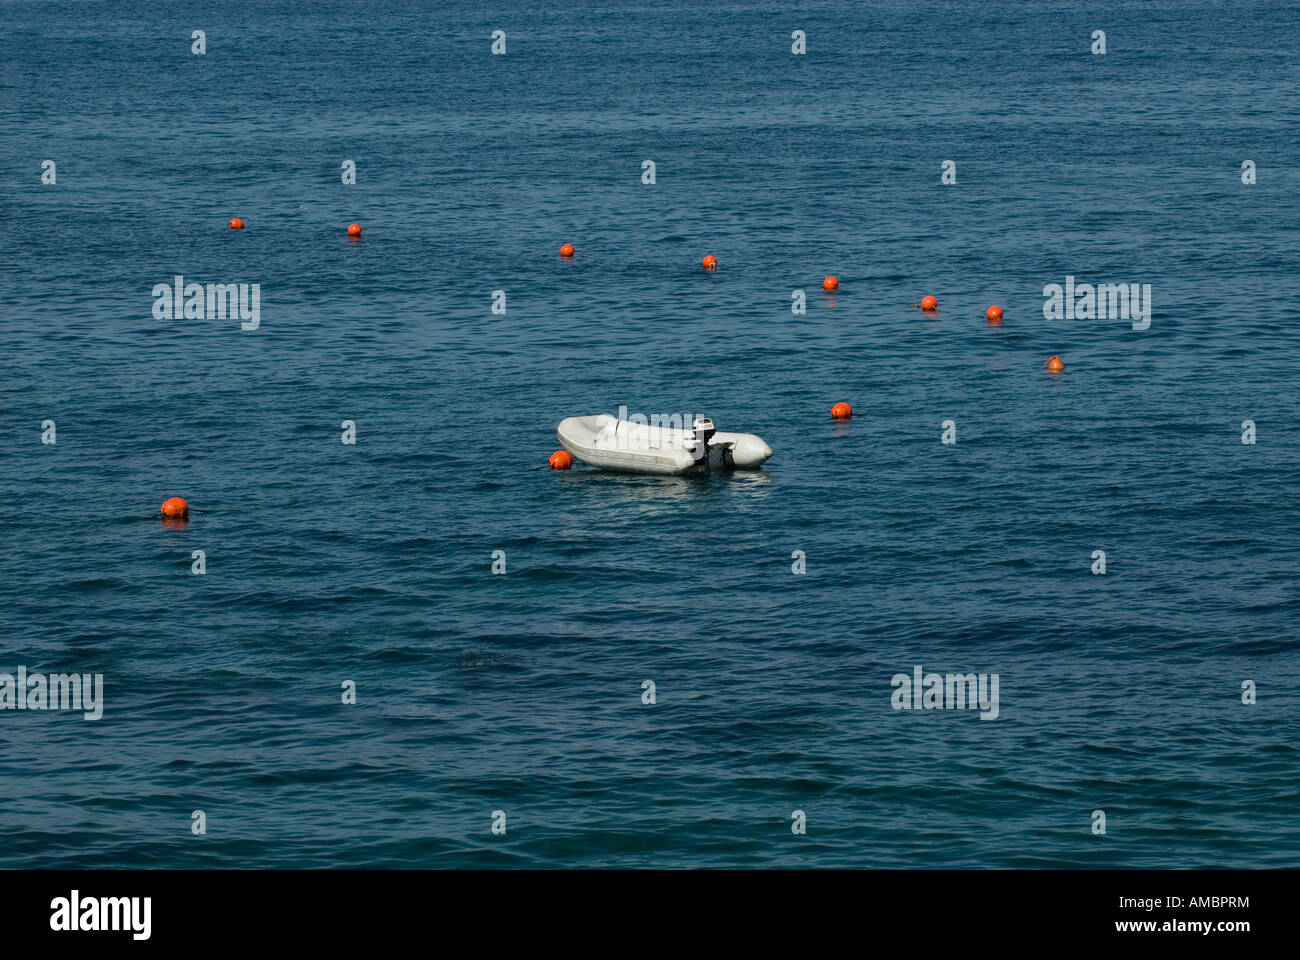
(704, 430)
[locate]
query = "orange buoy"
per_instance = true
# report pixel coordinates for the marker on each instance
(561, 460)
(994, 314)
(710, 262)
(1055, 364)
(175, 507)
(354, 230)
(236, 224)
(831, 283)
(841, 411)
(929, 304)
(566, 251)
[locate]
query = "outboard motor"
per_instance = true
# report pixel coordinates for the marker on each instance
(704, 431)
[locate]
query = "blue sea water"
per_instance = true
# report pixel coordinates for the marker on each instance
(522, 692)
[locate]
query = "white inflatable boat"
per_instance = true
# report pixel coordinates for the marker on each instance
(609, 443)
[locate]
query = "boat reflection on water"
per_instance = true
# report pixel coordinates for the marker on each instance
(652, 495)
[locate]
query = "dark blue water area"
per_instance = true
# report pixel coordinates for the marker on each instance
(372, 563)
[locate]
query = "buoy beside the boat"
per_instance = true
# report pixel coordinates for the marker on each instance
(561, 460)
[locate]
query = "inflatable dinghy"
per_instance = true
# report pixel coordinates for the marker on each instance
(609, 443)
